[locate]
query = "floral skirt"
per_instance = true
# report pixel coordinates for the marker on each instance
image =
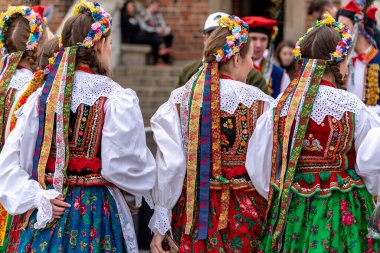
(334, 224)
(5, 222)
(245, 216)
(91, 224)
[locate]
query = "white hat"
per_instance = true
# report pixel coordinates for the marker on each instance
(212, 21)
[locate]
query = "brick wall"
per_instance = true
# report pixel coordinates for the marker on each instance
(186, 18)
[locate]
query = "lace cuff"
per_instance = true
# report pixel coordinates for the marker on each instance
(160, 221)
(148, 199)
(45, 209)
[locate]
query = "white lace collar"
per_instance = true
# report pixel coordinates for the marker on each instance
(329, 101)
(88, 88)
(21, 78)
(232, 93)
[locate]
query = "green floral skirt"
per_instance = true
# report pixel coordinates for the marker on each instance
(315, 225)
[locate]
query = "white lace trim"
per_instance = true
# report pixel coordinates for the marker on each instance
(148, 199)
(329, 101)
(232, 93)
(126, 220)
(88, 88)
(160, 221)
(21, 78)
(45, 209)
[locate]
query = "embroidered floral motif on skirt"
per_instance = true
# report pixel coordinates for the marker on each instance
(335, 224)
(329, 206)
(91, 224)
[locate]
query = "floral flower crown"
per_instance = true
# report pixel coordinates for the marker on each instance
(235, 41)
(103, 21)
(36, 24)
(343, 46)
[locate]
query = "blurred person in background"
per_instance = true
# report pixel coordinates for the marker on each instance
(156, 23)
(254, 77)
(132, 30)
(284, 57)
(262, 31)
(318, 7)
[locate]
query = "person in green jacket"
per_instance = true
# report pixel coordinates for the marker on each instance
(254, 77)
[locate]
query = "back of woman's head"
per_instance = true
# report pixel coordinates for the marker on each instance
(48, 51)
(74, 32)
(217, 40)
(16, 38)
(320, 43)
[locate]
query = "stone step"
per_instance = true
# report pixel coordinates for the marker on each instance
(147, 71)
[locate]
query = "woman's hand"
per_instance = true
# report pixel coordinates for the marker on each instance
(156, 244)
(59, 206)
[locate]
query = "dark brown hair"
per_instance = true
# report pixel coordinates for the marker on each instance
(319, 44)
(48, 50)
(318, 5)
(16, 38)
(75, 31)
(216, 41)
(291, 69)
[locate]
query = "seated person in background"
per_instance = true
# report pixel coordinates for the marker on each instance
(254, 77)
(131, 31)
(156, 23)
(284, 57)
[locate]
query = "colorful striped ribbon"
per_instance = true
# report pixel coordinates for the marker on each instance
(205, 158)
(35, 83)
(41, 116)
(299, 112)
(192, 149)
(67, 106)
(10, 64)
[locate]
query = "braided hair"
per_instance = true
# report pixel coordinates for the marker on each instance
(319, 44)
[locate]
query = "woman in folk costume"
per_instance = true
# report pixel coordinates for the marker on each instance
(202, 134)
(363, 79)
(303, 154)
(39, 77)
(22, 34)
(78, 144)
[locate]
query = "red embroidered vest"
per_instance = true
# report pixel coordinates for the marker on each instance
(327, 160)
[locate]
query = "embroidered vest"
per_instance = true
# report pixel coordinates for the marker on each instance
(236, 130)
(84, 168)
(327, 160)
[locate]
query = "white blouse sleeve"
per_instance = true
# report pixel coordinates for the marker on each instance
(171, 166)
(259, 153)
(18, 192)
(368, 159)
(126, 160)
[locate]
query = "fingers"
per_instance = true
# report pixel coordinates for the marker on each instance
(58, 210)
(59, 206)
(59, 202)
(60, 198)
(156, 244)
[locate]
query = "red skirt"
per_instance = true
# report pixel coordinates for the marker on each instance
(245, 219)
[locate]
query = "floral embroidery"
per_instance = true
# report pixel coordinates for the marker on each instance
(348, 219)
(312, 144)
